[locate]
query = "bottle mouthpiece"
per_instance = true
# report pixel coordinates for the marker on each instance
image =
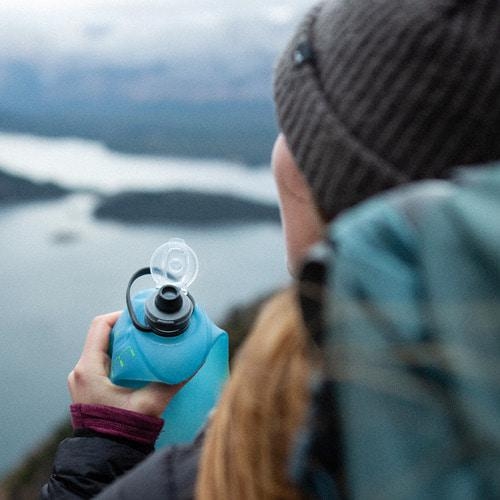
(168, 299)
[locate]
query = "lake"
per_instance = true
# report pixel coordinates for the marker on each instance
(59, 267)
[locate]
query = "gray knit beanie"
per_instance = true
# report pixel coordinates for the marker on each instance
(371, 94)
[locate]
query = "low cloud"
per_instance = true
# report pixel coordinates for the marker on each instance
(127, 32)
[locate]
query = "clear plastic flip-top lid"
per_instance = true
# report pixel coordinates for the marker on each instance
(174, 263)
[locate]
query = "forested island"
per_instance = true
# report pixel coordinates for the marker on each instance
(183, 207)
(152, 208)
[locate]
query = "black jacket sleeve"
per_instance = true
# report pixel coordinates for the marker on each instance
(169, 473)
(85, 467)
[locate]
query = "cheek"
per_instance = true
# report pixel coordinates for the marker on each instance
(302, 228)
(301, 222)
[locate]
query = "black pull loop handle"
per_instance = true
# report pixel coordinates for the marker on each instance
(141, 272)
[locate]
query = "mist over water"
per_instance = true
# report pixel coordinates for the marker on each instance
(59, 267)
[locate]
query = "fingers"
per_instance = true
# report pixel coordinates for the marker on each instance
(89, 381)
(94, 356)
(98, 334)
(153, 398)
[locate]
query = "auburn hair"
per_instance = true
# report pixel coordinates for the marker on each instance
(251, 433)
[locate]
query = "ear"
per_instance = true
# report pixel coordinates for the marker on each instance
(312, 289)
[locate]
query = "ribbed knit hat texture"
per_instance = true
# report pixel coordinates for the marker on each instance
(371, 94)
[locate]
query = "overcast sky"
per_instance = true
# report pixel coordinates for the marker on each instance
(140, 31)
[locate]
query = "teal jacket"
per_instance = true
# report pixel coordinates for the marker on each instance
(414, 339)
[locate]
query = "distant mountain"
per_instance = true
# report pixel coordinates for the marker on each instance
(166, 78)
(210, 110)
(184, 207)
(239, 131)
(25, 83)
(15, 189)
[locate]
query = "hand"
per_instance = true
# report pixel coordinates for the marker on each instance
(89, 381)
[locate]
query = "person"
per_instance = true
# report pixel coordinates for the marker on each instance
(370, 96)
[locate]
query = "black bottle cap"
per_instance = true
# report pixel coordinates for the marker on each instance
(168, 299)
(168, 311)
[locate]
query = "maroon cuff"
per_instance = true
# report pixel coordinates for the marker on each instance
(116, 422)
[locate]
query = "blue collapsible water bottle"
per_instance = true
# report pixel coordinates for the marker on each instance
(164, 336)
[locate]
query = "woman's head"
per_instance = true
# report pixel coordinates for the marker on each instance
(371, 94)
